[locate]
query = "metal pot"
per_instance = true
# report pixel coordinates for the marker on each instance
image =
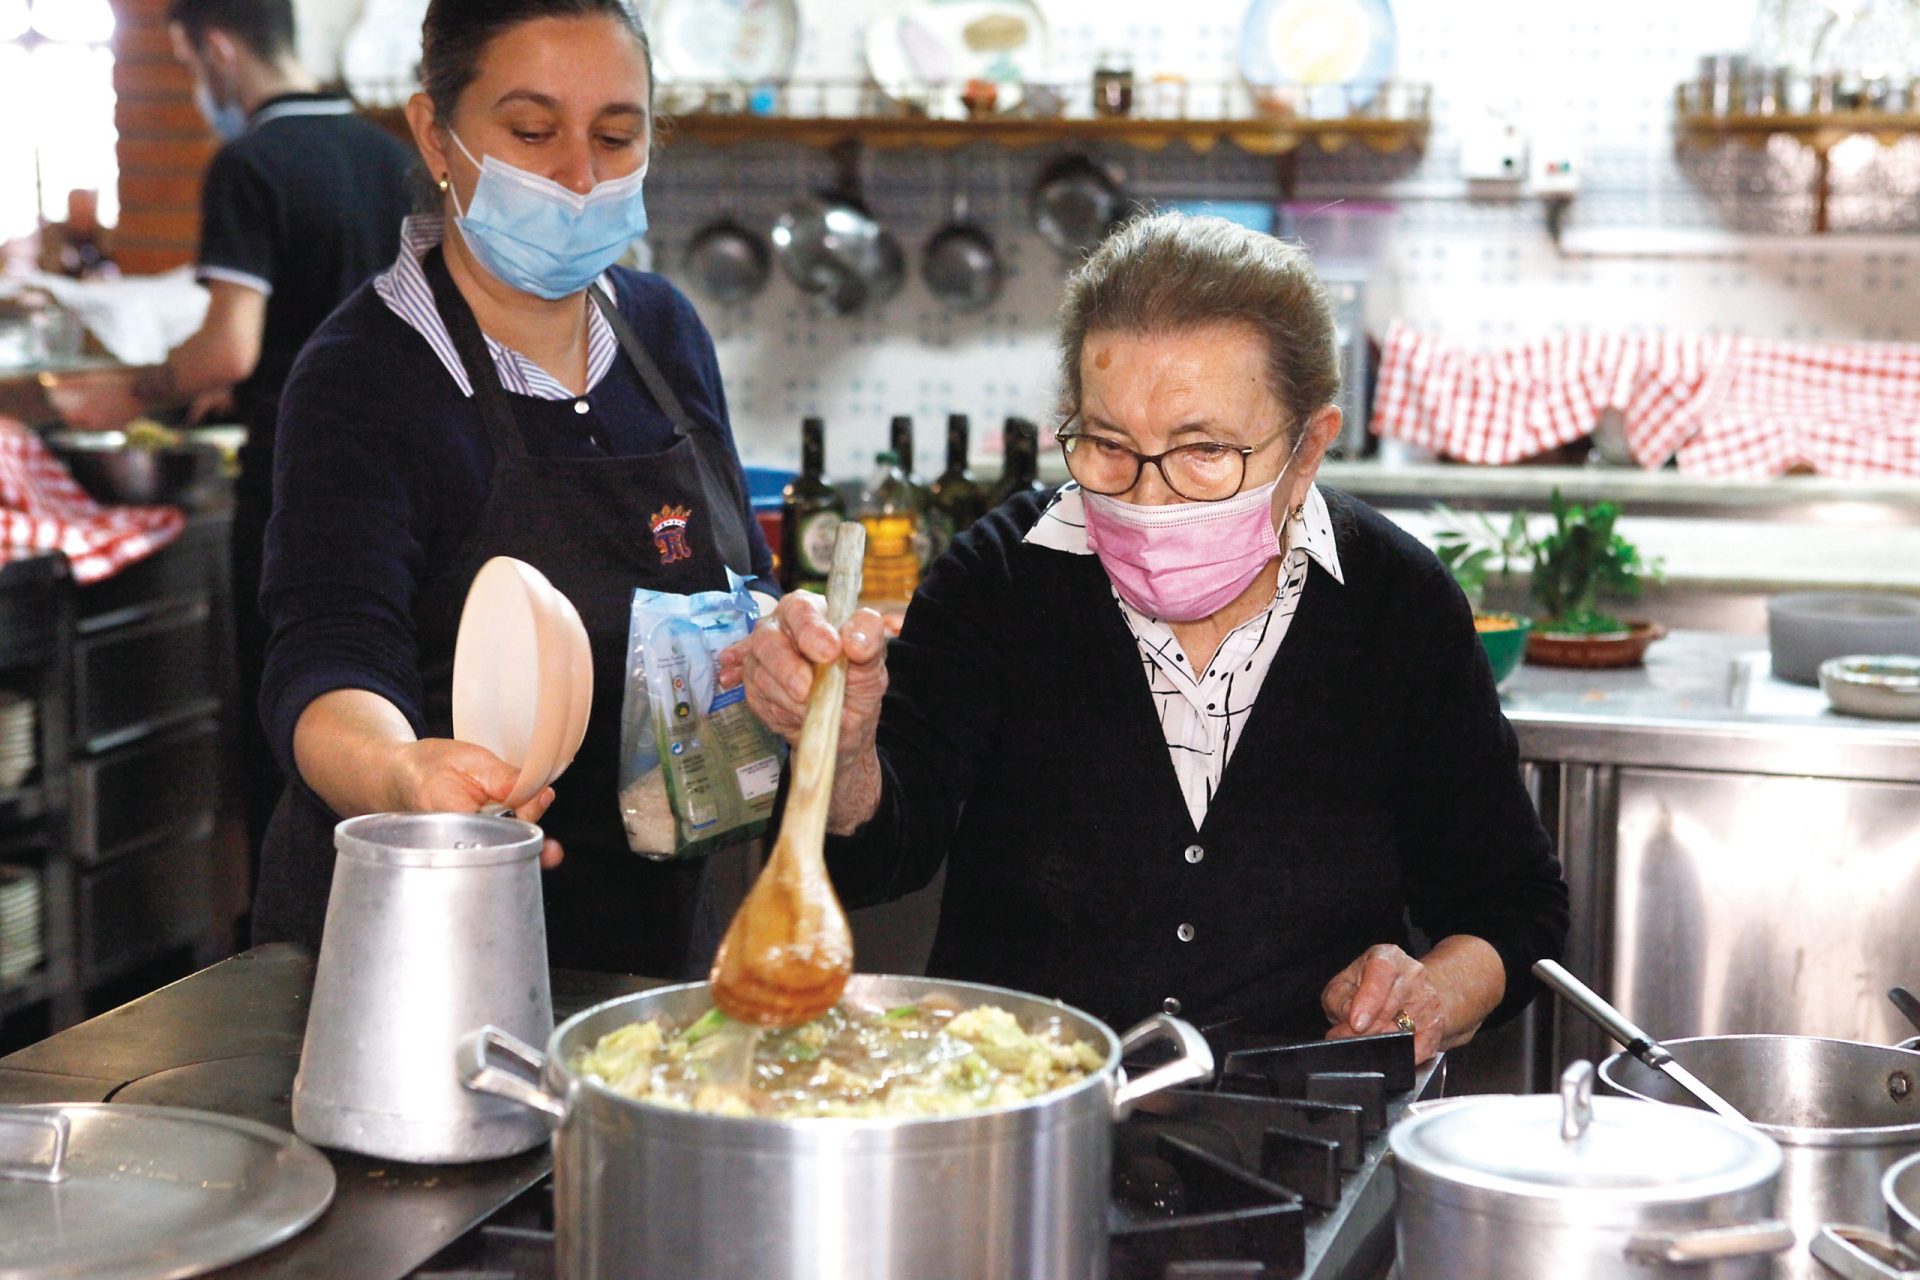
(1009, 1194)
(1859, 1253)
(1076, 204)
(962, 268)
(1843, 1113)
(832, 247)
(1543, 1188)
(728, 261)
(113, 471)
(395, 987)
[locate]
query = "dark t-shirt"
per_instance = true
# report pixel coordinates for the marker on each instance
(304, 207)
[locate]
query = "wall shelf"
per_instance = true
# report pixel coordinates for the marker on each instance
(1819, 132)
(1258, 135)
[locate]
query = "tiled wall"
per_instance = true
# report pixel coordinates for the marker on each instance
(1478, 269)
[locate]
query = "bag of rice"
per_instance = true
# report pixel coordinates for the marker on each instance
(698, 770)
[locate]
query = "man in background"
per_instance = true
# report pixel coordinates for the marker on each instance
(301, 204)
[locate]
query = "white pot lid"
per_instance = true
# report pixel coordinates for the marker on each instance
(1617, 1150)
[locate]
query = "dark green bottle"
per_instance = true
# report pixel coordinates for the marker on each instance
(956, 494)
(933, 530)
(813, 511)
(1022, 474)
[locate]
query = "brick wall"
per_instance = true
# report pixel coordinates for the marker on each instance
(164, 144)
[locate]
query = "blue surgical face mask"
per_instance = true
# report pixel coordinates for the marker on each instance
(227, 119)
(541, 238)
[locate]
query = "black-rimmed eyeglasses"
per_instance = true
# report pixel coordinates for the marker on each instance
(1204, 471)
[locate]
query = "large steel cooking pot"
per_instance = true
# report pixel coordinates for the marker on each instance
(1843, 1112)
(1015, 1193)
(1860, 1253)
(1543, 1188)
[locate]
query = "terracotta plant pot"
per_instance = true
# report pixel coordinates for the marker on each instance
(1601, 649)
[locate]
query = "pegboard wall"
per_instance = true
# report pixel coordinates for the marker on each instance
(1477, 268)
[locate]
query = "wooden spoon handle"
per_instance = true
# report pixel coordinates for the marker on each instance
(813, 756)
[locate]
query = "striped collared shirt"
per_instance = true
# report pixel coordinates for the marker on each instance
(404, 288)
(1201, 714)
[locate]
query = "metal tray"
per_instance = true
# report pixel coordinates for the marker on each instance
(114, 1191)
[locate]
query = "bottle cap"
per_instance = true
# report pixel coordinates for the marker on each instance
(887, 458)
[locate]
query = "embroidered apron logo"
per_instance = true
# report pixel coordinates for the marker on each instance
(670, 533)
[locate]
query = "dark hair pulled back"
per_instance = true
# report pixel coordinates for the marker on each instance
(456, 34)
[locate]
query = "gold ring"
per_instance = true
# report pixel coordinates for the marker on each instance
(1404, 1021)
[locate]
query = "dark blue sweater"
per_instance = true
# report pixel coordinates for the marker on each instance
(381, 468)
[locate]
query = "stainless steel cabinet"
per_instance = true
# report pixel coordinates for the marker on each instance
(1744, 903)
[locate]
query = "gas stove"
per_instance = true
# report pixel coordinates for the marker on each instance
(1272, 1174)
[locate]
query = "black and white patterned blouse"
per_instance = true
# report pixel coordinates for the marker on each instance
(1201, 712)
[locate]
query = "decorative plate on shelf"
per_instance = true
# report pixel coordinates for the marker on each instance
(1309, 42)
(726, 41)
(923, 52)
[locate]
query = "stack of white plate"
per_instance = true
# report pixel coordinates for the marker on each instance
(16, 739)
(21, 944)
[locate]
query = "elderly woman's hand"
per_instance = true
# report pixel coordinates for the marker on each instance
(1445, 995)
(775, 665)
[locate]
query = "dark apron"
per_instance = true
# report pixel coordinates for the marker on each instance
(588, 525)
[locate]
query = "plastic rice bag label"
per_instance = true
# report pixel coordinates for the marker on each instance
(698, 769)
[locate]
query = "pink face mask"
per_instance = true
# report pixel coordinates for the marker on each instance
(1185, 560)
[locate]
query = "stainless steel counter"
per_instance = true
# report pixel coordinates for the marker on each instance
(1741, 859)
(1703, 701)
(227, 1039)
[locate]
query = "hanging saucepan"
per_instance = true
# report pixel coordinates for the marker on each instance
(832, 246)
(1541, 1188)
(1077, 204)
(646, 1189)
(1843, 1112)
(1861, 1253)
(728, 261)
(961, 266)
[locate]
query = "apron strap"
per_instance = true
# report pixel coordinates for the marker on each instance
(488, 397)
(643, 363)
(728, 529)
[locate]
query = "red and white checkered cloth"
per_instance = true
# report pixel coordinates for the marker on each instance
(1719, 405)
(43, 509)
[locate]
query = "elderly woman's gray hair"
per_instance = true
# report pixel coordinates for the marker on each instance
(1174, 272)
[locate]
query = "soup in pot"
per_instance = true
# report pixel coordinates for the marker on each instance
(921, 1059)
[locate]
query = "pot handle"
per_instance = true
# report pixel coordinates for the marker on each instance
(1193, 1064)
(1858, 1253)
(1696, 1248)
(33, 1145)
(491, 1061)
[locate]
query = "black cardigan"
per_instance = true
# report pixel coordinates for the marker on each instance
(1376, 784)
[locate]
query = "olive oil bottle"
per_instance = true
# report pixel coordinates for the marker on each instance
(890, 571)
(955, 494)
(1022, 473)
(813, 510)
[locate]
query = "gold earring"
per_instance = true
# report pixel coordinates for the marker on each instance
(444, 184)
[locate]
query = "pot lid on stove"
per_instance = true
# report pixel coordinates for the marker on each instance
(1574, 1146)
(112, 1190)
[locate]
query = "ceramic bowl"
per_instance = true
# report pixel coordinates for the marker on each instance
(1504, 637)
(1806, 628)
(1883, 686)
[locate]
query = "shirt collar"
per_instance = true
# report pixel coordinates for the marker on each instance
(1063, 527)
(405, 290)
(299, 104)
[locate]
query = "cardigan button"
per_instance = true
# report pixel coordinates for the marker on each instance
(1195, 853)
(1184, 933)
(579, 406)
(1170, 1005)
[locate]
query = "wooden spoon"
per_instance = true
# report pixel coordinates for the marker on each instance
(788, 953)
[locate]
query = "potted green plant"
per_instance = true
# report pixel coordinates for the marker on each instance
(1472, 548)
(1576, 564)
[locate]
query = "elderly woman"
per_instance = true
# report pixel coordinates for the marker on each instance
(1195, 735)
